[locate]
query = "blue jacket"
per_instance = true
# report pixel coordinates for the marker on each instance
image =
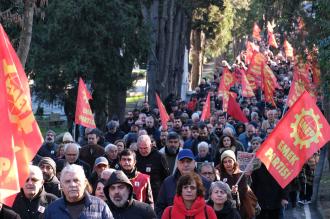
(95, 208)
(168, 191)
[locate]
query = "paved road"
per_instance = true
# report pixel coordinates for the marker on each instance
(303, 212)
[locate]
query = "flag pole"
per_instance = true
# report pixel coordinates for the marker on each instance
(246, 168)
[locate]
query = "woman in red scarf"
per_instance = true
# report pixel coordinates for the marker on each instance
(189, 200)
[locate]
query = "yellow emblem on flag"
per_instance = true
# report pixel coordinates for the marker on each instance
(306, 129)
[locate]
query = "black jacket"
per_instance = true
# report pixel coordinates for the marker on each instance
(35, 208)
(6, 213)
(267, 190)
(53, 187)
(155, 166)
(228, 211)
(132, 208)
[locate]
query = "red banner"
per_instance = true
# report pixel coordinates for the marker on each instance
(206, 109)
(300, 133)
(162, 112)
(20, 134)
(84, 115)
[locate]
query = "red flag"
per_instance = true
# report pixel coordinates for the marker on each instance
(20, 134)
(206, 109)
(235, 110)
(250, 48)
(300, 133)
(256, 32)
(162, 111)
(269, 84)
(247, 90)
(272, 40)
(288, 49)
(300, 81)
(84, 115)
(227, 80)
(255, 69)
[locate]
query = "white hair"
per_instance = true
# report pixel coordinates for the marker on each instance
(109, 147)
(74, 168)
(195, 116)
(75, 145)
(36, 170)
(144, 138)
(203, 144)
(107, 173)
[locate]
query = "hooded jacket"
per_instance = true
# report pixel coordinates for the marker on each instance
(132, 208)
(199, 210)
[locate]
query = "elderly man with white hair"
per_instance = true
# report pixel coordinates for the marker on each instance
(32, 201)
(151, 162)
(203, 152)
(111, 153)
(71, 156)
(77, 203)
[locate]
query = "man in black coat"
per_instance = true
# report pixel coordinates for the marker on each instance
(51, 183)
(6, 213)
(49, 147)
(270, 194)
(119, 193)
(151, 162)
(33, 200)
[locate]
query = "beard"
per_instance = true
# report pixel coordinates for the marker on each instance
(172, 150)
(119, 200)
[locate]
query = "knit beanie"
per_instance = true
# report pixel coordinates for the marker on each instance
(49, 161)
(228, 153)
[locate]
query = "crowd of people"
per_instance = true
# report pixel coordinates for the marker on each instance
(139, 169)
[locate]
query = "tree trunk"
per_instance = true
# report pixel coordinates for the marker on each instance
(196, 50)
(26, 33)
(151, 18)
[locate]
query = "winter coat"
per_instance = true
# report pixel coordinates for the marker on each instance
(228, 211)
(168, 191)
(6, 213)
(94, 208)
(132, 208)
(89, 153)
(53, 186)
(267, 190)
(48, 150)
(155, 166)
(35, 208)
(199, 210)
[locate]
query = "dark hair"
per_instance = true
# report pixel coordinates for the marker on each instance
(187, 180)
(233, 141)
(127, 152)
(103, 181)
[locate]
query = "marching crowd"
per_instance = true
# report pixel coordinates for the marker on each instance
(138, 169)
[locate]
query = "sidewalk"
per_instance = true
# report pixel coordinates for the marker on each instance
(324, 193)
